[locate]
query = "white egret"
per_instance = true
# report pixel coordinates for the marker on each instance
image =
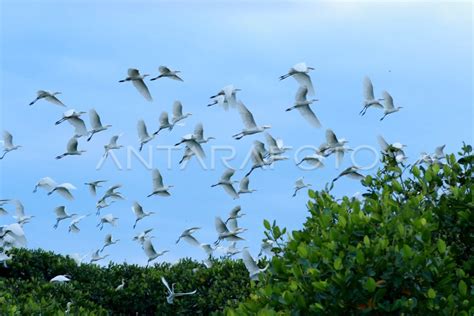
(388, 105)
(96, 124)
(61, 215)
(2, 210)
(207, 249)
(109, 241)
(102, 204)
(78, 259)
(299, 185)
(72, 113)
(315, 160)
(193, 145)
(71, 149)
(235, 214)
(68, 308)
(301, 74)
(139, 213)
(97, 257)
(143, 236)
(188, 154)
(394, 150)
(20, 216)
(64, 189)
(112, 193)
(8, 144)
(80, 128)
(158, 187)
(15, 233)
(231, 250)
(151, 252)
(252, 266)
(258, 153)
(143, 135)
(165, 72)
(439, 152)
(50, 97)
(351, 172)
(107, 219)
(171, 293)
(219, 100)
(224, 233)
(73, 226)
(249, 123)
(93, 185)
(227, 184)
(4, 258)
(137, 80)
(244, 186)
(229, 96)
(45, 183)
(178, 112)
(334, 145)
(112, 145)
(369, 98)
(120, 286)
(188, 237)
(62, 278)
(199, 134)
(302, 105)
(164, 123)
(266, 247)
(275, 146)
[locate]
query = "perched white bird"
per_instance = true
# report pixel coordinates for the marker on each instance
(151, 252)
(301, 74)
(60, 279)
(299, 185)
(351, 172)
(96, 256)
(143, 134)
(188, 237)
(137, 80)
(107, 219)
(71, 149)
(64, 189)
(96, 124)
(235, 214)
(109, 241)
(8, 144)
(171, 293)
(369, 98)
(227, 184)
(244, 186)
(112, 145)
(258, 153)
(226, 97)
(94, 185)
(120, 286)
(158, 187)
(143, 236)
(45, 183)
(61, 214)
(227, 233)
(80, 128)
(249, 123)
(73, 226)
(252, 266)
(165, 72)
(164, 123)
(72, 113)
(388, 107)
(178, 112)
(50, 97)
(302, 105)
(139, 213)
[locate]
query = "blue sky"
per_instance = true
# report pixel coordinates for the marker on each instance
(420, 52)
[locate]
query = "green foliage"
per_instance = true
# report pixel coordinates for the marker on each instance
(25, 287)
(407, 248)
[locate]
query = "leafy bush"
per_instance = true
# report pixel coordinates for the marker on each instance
(405, 248)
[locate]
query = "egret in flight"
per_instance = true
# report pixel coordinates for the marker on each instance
(252, 266)
(143, 135)
(301, 74)
(69, 114)
(249, 123)
(139, 213)
(388, 105)
(112, 145)
(171, 293)
(50, 97)
(158, 187)
(61, 215)
(71, 149)
(178, 112)
(227, 184)
(94, 185)
(187, 235)
(299, 185)
(96, 124)
(165, 72)
(369, 98)
(137, 80)
(64, 189)
(8, 144)
(151, 252)
(302, 105)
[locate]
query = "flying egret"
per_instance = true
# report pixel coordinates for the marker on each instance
(334, 145)
(249, 123)
(351, 172)
(2, 210)
(151, 252)
(439, 152)
(171, 293)
(165, 72)
(301, 74)
(244, 186)
(158, 187)
(224, 233)
(137, 80)
(62, 278)
(95, 256)
(112, 193)
(96, 124)
(45, 183)
(8, 144)
(178, 112)
(394, 150)
(107, 219)
(235, 214)
(20, 216)
(139, 213)
(71, 149)
(302, 105)
(199, 134)
(61, 215)
(93, 185)
(275, 146)
(258, 153)
(120, 286)
(266, 247)
(78, 259)
(102, 204)
(369, 98)
(64, 189)
(143, 134)
(72, 113)
(191, 143)
(188, 154)
(15, 232)
(299, 185)
(80, 128)
(227, 184)
(207, 249)
(112, 145)
(388, 106)
(231, 250)
(73, 226)
(229, 96)
(164, 123)
(315, 160)
(219, 100)
(252, 266)
(188, 237)
(50, 97)
(143, 236)
(109, 241)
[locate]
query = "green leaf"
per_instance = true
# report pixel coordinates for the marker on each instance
(370, 285)
(366, 240)
(462, 287)
(338, 264)
(431, 293)
(266, 224)
(441, 246)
